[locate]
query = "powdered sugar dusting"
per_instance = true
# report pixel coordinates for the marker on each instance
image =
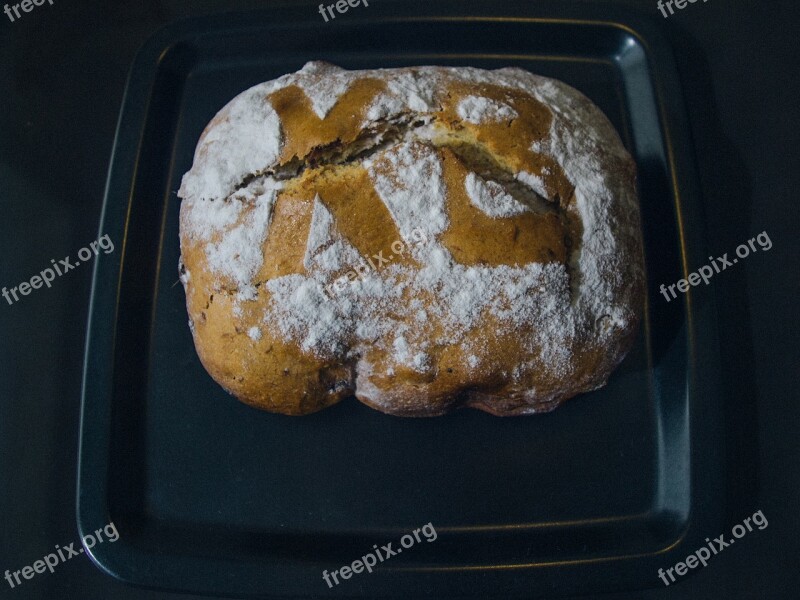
(413, 90)
(321, 232)
(306, 315)
(323, 92)
(325, 249)
(414, 192)
(477, 110)
(366, 313)
(579, 142)
(205, 217)
(403, 352)
(492, 198)
(247, 138)
(238, 253)
(534, 182)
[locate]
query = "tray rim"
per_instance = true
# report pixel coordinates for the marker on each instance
(96, 414)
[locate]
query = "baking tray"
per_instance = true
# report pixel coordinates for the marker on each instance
(211, 496)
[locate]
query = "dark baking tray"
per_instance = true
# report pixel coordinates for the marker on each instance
(210, 496)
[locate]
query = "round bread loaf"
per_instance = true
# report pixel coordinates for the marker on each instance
(422, 238)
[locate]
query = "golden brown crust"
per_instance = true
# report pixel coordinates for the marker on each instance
(513, 201)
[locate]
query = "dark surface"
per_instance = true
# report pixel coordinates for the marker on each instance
(625, 475)
(63, 70)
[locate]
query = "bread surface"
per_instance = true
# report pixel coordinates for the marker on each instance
(423, 238)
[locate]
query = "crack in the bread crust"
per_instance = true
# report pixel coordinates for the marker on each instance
(476, 157)
(386, 133)
(374, 140)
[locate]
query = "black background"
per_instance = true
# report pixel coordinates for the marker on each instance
(62, 75)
